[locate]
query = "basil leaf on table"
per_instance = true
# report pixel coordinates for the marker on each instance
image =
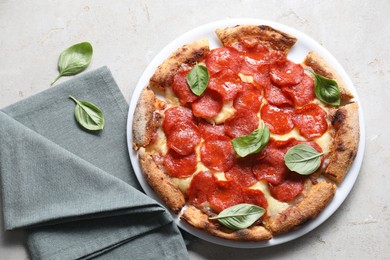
(303, 159)
(253, 142)
(239, 216)
(74, 59)
(88, 115)
(326, 90)
(198, 79)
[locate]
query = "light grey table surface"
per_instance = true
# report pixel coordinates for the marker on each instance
(126, 35)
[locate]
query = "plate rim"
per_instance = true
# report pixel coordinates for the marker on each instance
(342, 190)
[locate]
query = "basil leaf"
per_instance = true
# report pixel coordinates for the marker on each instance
(239, 216)
(253, 142)
(303, 159)
(88, 115)
(74, 59)
(198, 79)
(326, 90)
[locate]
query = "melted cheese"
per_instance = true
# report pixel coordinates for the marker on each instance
(292, 134)
(183, 184)
(274, 206)
(159, 144)
(325, 141)
(227, 111)
(245, 78)
(170, 97)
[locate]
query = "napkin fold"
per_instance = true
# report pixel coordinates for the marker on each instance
(74, 191)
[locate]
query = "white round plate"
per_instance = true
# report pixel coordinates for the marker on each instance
(296, 54)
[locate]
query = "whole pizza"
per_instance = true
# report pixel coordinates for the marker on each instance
(245, 144)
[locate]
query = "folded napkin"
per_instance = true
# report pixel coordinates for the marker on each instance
(73, 191)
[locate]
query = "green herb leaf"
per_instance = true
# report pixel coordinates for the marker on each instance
(253, 142)
(74, 59)
(326, 90)
(198, 79)
(88, 115)
(239, 216)
(303, 159)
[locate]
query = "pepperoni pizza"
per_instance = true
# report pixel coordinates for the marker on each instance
(231, 118)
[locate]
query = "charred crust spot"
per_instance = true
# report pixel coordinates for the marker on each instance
(303, 221)
(243, 233)
(264, 27)
(340, 147)
(339, 117)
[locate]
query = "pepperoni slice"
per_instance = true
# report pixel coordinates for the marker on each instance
(249, 65)
(176, 115)
(278, 120)
(249, 99)
(257, 56)
(201, 185)
(311, 121)
(284, 145)
(271, 167)
(218, 153)
(181, 89)
(289, 189)
(227, 83)
(286, 73)
(275, 96)
(242, 173)
(180, 166)
(241, 123)
(255, 197)
(272, 94)
(183, 138)
(208, 105)
(225, 195)
(223, 58)
(261, 77)
(302, 93)
(207, 130)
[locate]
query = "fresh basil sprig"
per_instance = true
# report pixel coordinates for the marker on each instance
(326, 90)
(253, 142)
(74, 59)
(303, 159)
(88, 115)
(239, 216)
(198, 79)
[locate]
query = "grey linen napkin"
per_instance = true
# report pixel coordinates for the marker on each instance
(73, 191)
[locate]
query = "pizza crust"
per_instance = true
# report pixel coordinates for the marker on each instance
(322, 67)
(312, 204)
(346, 141)
(160, 182)
(200, 220)
(272, 38)
(143, 123)
(188, 54)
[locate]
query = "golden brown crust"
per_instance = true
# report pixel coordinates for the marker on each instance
(188, 54)
(346, 142)
(312, 204)
(200, 220)
(267, 35)
(143, 123)
(322, 67)
(160, 183)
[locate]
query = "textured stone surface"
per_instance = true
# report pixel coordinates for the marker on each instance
(126, 35)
